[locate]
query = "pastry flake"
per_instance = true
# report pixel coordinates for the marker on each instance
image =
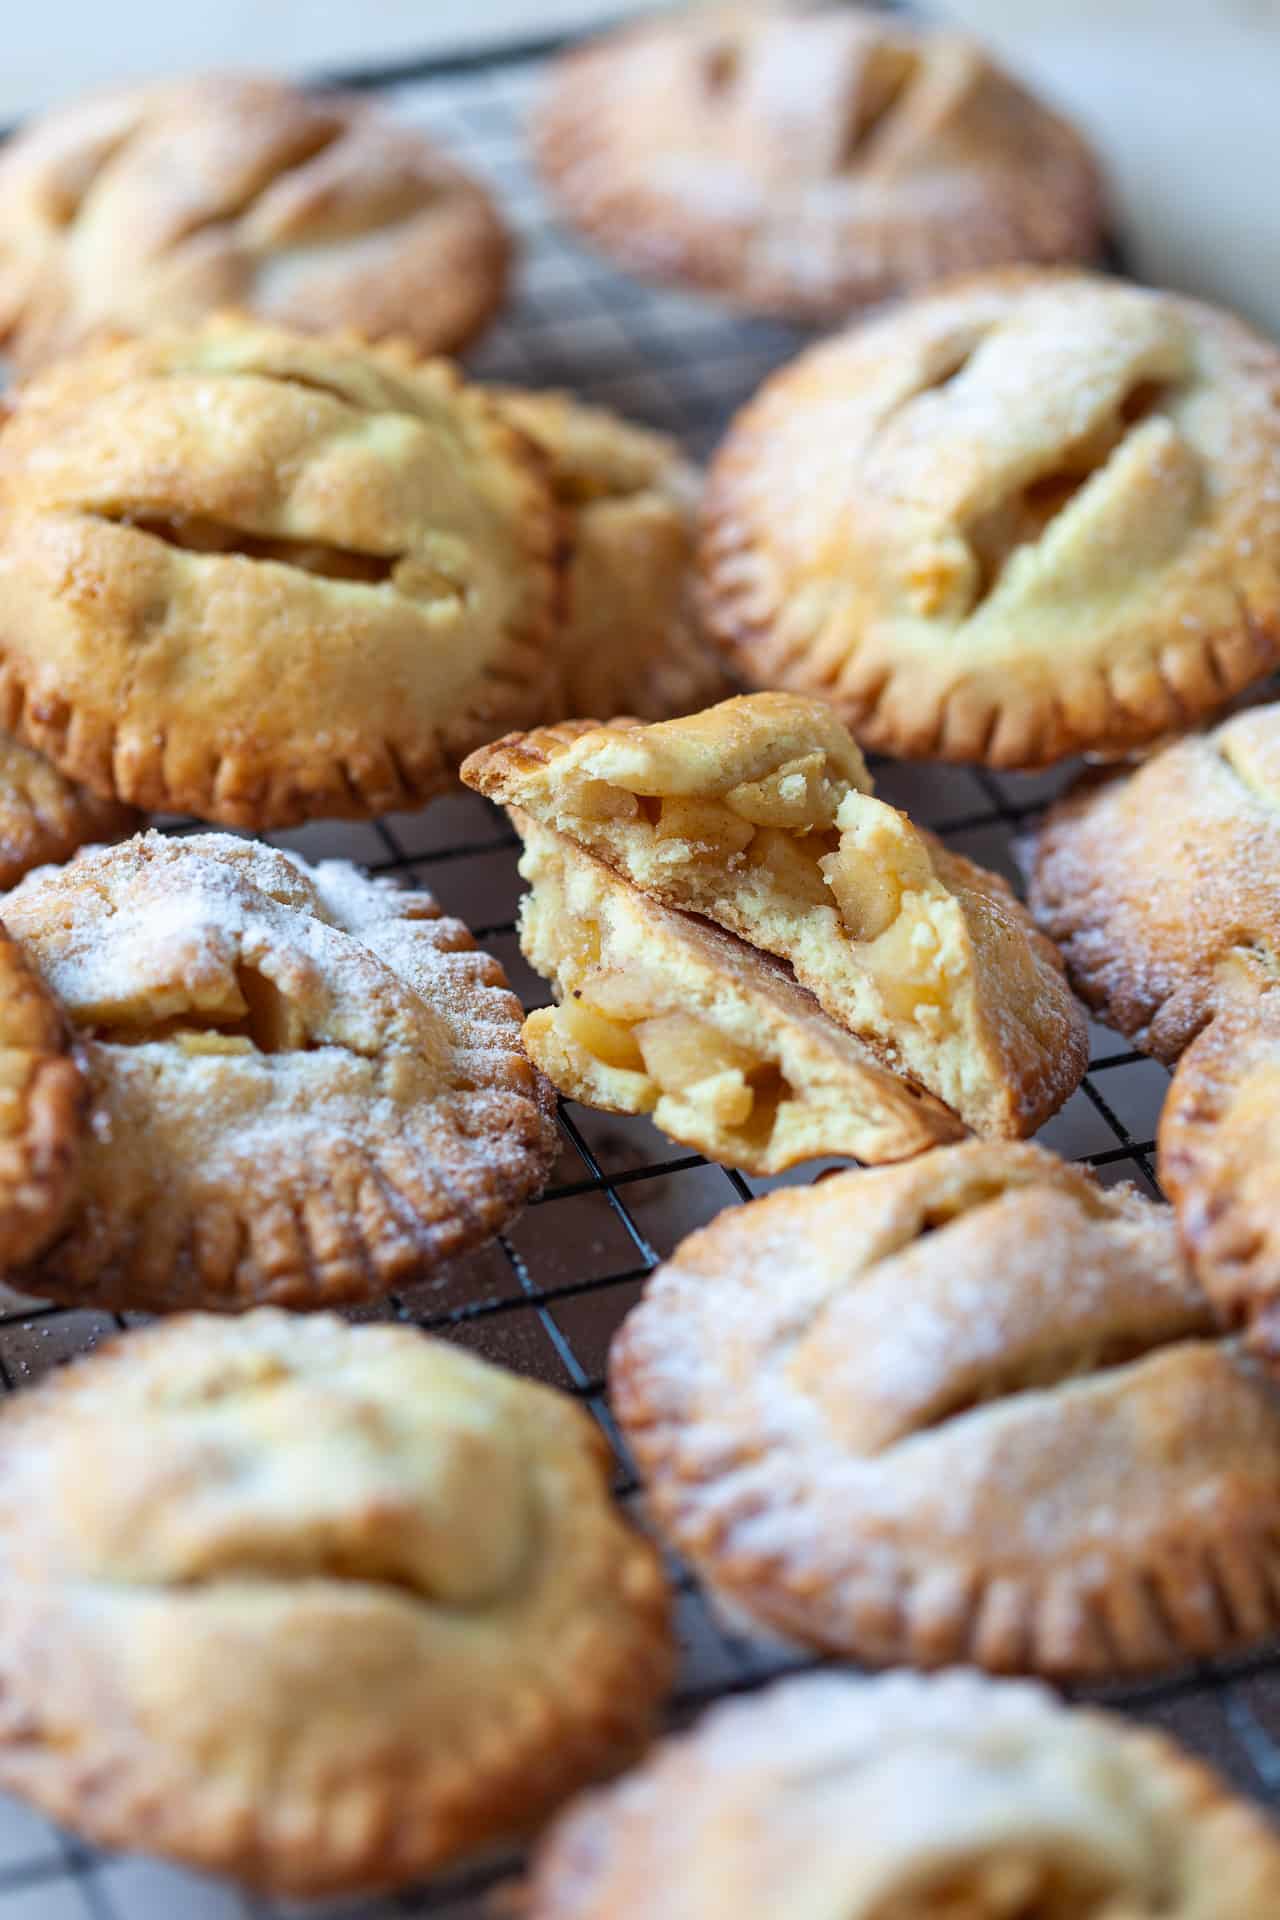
(900, 1798)
(260, 577)
(629, 639)
(970, 1409)
(324, 1607)
(307, 1087)
(804, 163)
(1032, 514)
(43, 1097)
(661, 1013)
(758, 814)
(155, 205)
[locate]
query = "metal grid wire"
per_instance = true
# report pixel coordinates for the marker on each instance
(546, 1297)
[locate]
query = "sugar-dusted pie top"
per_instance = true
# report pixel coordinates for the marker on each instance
(758, 814)
(1028, 514)
(317, 1604)
(628, 640)
(804, 161)
(307, 1086)
(1162, 885)
(257, 576)
(154, 205)
(902, 1798)
(970, 1408)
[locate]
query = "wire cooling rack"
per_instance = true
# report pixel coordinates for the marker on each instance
(546, 1297)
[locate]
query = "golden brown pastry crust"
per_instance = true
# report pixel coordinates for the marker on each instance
(966, 1409)
(629, 640)
(308, 1087)
(1031, 514)
(320, 1606)
(758, 815)
(258, 577)
(663, 1013)
(807, 164)
(43, 1097)
(155, 205)
(44, 816)
(1219, 1154)
(906, 1798)
(1154, 882)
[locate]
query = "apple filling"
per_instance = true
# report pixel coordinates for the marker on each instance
(244, 1012)
(732, 1089)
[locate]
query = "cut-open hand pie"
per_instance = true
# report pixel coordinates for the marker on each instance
(973, 1408)
(43, 1097)
(662, 1013)
(901, 1798)
(1032, 514)
(759, 815)
(628, 639)
(804, 162)
(321, 1606)
(256, 576)
(307, 1087)
(153, 205)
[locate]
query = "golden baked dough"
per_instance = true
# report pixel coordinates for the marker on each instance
(758, 814)
(1028, 515)
(321, 1606)
(308, 1087)
(256, 577)
(901, 1798)
(662, 1013)
(154, 205)
(1220, 1156)
(965, 1409)
(45, 817)
(803, 162)
(1153, 882)
(629, 639)
(42, 1109)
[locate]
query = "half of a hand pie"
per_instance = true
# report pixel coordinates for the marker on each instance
(970, 1409)
(759, 815)
(660, 1012)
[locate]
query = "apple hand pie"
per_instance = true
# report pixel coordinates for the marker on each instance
(661, 1013)
(321, 1606)
(758, 814)
(258, 577)
(803, 162)
(970, 1409)
(154, 205)
(307, 1087)
(901, 1798)
(1030, 515)
(628, 640)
